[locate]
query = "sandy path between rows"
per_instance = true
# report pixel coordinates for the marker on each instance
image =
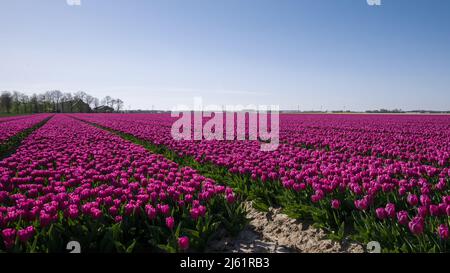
(275, 232)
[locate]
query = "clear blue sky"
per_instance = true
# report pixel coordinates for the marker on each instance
(329, 54)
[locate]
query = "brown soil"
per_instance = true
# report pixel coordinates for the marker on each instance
(275, 232)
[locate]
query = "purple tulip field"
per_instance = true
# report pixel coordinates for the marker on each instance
(122, 183)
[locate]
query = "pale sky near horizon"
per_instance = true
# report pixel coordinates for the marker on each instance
(312, 54)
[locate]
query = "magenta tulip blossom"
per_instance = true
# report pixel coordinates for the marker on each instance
(170, 222)
(390, 210)
(26, 234)
(402, 217)
(335, 204)
(412, 200)
(443, 232)
(416, 225)
(381, 213)
(183, 242)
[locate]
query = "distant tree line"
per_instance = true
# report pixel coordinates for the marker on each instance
(56, 102)
(386, 111)
(377, 111)
(382, 111)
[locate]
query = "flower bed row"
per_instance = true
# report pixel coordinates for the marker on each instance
(12, 127)
(4, 119)
(424, 139)
(71, 181)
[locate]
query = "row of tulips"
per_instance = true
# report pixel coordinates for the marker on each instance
(4, 119)
(13, 126)
(71, 181)
(371, 193)
(424, 139)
